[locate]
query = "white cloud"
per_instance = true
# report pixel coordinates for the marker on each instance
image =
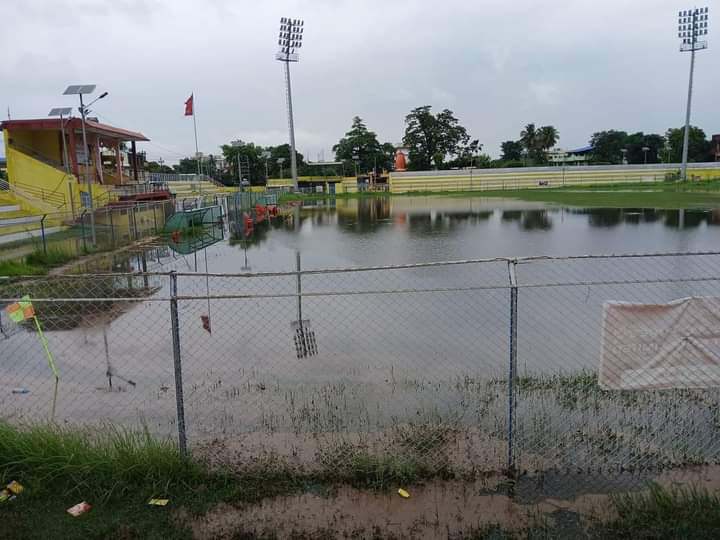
(581, 66)
(545, 93)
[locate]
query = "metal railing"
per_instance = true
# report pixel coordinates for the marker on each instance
(457, 368)
(180, 177)
(55, 197)
(71, 235)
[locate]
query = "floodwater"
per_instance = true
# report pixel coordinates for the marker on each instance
(411, 361)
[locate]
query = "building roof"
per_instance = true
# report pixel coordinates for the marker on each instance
(581, 150)
(75, 124)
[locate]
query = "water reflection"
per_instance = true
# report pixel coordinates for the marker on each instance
(536, 220)
(672, 218)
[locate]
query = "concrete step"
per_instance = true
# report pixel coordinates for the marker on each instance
(20, 220)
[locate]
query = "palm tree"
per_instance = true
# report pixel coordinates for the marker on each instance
(528, 138)
(547, 137)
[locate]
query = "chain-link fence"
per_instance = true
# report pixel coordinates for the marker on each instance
(80, 233)
(466, 367)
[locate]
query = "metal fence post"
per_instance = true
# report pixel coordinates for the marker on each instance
(112, 229)
(42, 231)
(299, 288)
(182, 437)
(133, 223)
(512, 368)
(82, 227)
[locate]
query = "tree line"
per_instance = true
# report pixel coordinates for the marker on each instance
(438, 141)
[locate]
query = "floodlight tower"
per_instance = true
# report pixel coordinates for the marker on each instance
(289, 41)
(692, 25)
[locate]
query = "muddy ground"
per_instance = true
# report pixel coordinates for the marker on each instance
(435, 509)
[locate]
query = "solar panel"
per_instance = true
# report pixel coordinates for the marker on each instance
(60, 111)
(79, 89)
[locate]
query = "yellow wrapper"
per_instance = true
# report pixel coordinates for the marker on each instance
(404, 494)
(15, 487)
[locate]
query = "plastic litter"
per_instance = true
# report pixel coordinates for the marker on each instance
(5, 496)
(158, 502)
(20, 391)
(79, 509)
(404, 494)
(15, 487)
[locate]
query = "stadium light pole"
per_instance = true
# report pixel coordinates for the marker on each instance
(289, 41)
(80, 89)
(692, 24)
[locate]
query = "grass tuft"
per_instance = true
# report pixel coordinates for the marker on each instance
(108, 462)
(36, 263)
(665, 513)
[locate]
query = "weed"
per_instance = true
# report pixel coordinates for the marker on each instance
(664, 513)
(36, 263)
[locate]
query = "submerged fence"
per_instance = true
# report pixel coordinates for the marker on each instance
(114, 226)
(463, 367)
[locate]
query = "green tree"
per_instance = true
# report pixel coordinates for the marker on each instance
(528, 139)
(243, 160)
(432, 138)
(608, 146)
(547, 137)
(537, 141)
(635, 142)
(282, 152)
(361, 146)
(186, 166)
(511, 151)
(155, 167)
(699, 148)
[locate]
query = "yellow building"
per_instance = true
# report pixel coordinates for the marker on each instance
(46, 169)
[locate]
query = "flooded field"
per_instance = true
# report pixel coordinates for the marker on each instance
(411, 364)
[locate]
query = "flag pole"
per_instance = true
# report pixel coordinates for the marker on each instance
(43, 340)
(197, 151)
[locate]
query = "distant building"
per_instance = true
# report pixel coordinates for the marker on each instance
(716, 146)
(578, 156)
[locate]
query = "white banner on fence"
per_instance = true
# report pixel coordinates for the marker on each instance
(656, 346)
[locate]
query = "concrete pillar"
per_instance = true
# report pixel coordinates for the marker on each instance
(118, 163)
(98, 160)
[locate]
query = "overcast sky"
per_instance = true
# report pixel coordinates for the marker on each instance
(581, 65)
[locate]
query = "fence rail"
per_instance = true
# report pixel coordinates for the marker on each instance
(115, 226)
(458, 367)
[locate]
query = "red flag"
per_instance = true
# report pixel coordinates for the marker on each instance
(189, 106)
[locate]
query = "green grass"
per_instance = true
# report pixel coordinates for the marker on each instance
(118, 471)
(36, 263)
(664, 513)
(656, 195)
(662, 195)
